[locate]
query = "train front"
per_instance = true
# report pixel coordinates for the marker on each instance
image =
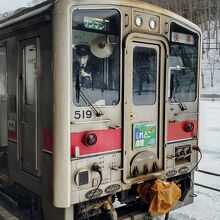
(125, 101)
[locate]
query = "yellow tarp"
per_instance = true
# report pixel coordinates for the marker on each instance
(161, 195)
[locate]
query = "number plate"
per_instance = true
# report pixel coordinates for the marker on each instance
(144, 135)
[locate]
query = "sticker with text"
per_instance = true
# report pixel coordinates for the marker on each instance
(144, 135)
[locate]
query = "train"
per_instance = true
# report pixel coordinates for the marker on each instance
(98, 99)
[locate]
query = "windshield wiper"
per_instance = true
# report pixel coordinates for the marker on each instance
(180, 103)
(85, 96)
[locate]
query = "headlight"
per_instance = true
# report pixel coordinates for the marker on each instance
(138, 21)
(153, 24)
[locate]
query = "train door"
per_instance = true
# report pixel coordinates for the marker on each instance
(29, 107)
(143, 107)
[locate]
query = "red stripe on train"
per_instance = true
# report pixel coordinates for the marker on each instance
(12, 135)
(176, 130)
(48, 140)
(107, 140)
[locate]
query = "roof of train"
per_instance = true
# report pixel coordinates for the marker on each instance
(25, 10)
(23, 13)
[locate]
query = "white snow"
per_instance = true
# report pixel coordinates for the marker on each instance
(205, 207)
(209, 132)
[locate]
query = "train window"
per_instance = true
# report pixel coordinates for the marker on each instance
(144, 75)
(183, 65)
(29, 67)
(96, 60)
(3, 73)
(3, 106)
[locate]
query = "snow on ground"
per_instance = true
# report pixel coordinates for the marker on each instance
(210, 161)
(205, 207)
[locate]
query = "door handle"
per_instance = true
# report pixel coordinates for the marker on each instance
(24, 122)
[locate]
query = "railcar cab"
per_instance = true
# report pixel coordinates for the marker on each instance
(136, 103)
(96, 100)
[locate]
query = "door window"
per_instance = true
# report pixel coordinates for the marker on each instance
(144, 75)
(3, 73)
(29, 67)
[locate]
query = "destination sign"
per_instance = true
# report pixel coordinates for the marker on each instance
(182, 38)
(96, 23)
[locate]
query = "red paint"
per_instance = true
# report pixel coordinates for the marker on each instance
(107, 140)
(176, 131)
(12, 135)
(48, 140)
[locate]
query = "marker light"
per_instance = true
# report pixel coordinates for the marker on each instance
(138, 21)
(189, 127)
(153, 24)
(89, 139)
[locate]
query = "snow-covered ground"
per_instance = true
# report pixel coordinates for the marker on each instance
(205, 207)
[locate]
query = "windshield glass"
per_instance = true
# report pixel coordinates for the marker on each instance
(183, 65)
(96, 46)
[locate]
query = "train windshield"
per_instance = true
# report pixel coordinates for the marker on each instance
(96, 60)
(183, 65)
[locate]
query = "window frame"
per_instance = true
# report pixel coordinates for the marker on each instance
(157, 49)
(119, 57)
(176, 27)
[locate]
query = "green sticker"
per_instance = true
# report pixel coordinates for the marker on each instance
(144, 135)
